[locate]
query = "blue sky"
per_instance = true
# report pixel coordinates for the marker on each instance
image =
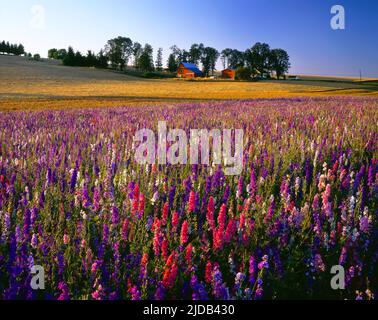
(300, 27)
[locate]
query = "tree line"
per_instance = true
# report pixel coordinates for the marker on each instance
(77, 59)
(9, 48)
(260, 59)
(121, 52)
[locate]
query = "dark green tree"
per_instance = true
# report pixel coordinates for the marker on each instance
(3, 47)
(257, 58)
(159, 60)
(61, 53)
(146, 61)
(209, 59)
(136, 51)
(52, 53)
(69, 59)
(225, 57)
(195, 53)
(102, 60)
(243, 73)
(279, 62)
(172, 63)
(185, 56)
(177, 53)
(20, 50)
(90, 59)
(119, 51)
(79, 59)
(236, 59)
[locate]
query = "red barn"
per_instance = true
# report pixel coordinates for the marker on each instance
(188, 70)
(228, 74)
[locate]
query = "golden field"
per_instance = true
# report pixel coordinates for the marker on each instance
(28, 85)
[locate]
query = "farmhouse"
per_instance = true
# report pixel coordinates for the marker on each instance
(228, 73)
(188, 70)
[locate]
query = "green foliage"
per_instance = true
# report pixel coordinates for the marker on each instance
(257, 61)
(209, 59)
(52, 53)
(243, 73)
(172, 63)
(57, 54)
(279, 62)
(195, 53)
(15, 49)
(119, 51)
(159, 60)
(225, 57)
(72, 58)
(257, 58)
(146, 62)
(137, 51)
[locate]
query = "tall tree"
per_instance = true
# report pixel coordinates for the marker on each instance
(225, 57)
(137, 51)
(257, 58)
(159, 60)
(185, 56)
(102, 60)
(61, 54)
(69, 59)
(52, 53)
(90, 59)
(146, 62)
(119, 51)
(3, 47)
(20, 49)
(236, 59)
(177, 52)
(279, 62)
(79, 59)
(172, 63)
(209, 59)
(195, 53)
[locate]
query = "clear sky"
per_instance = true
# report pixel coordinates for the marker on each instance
(301, 27)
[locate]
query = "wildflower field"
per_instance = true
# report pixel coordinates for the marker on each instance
(74, 201)
(26, 85)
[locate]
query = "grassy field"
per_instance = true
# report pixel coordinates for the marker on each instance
(26, 85)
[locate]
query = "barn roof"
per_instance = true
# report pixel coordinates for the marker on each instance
(191, 67)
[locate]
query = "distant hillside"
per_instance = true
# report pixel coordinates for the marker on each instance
(21, 68)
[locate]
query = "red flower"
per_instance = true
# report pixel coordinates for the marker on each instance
(188, 253)
(192, 198)
(175, 220)
(222, 217)
(210, 213)
(141, 205)
(184, 233)
(208, 272)
(125, 229)
(164, 248)
(164, 214)
(169, 276)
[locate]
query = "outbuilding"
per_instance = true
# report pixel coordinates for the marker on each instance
(188, 70)
(228, 73)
